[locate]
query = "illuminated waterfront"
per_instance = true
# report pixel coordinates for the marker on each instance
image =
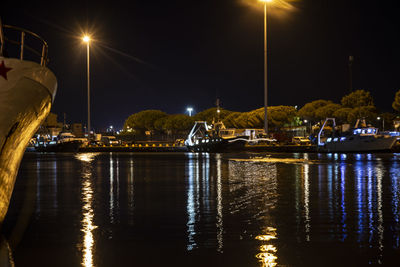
(187, 209)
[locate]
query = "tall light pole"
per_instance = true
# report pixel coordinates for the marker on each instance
(86, 39)
(265, 67)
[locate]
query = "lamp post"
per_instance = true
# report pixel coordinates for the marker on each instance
(86, 39)
(265, 67)
(190, 111)
(383, 122)
(306, 121)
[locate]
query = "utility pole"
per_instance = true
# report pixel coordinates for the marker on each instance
(351, 59)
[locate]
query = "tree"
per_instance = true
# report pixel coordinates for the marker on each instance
(279, 116)
(244, 120)
(178, 123)
(385, 120)
(364, 112)
(396, 103)
(144, 120)
(342, 115)
(230, 121)
(308, 110)
(159, 124)
(357, 98)
(211, 114)
(326, 111)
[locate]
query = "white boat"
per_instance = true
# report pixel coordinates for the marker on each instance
(358, 139)
(65, 142)
(208, 138)
(27, 90)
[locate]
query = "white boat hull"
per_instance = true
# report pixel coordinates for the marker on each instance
(362, 144)
(26, 93)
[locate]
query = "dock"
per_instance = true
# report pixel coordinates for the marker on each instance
(181, 148)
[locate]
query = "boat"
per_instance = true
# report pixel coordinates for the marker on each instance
(64, 142)
(209, 138)
(359, 139)
(27, 91)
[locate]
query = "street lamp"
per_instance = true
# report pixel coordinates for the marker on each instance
(86, 39)
(265, 67)
(383, 123)
(190, 111)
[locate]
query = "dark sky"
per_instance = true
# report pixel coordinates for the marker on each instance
(191, 52)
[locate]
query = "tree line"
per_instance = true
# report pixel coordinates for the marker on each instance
(358, 104)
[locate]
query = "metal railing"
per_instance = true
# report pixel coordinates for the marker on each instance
(21, 43)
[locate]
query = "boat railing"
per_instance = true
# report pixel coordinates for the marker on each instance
(22, 43)
(322, 129)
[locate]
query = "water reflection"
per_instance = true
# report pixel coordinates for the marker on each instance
(253, 187)
(192, 169)
(111, 189)
(220, 220)
(87, 223)
(395, 186)
(290, 210)
(131, 192)
(267, 256)
(307, 218)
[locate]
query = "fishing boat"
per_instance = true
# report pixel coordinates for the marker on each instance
(361, 138)
(27, 90)
(64, 142)
(209, 138)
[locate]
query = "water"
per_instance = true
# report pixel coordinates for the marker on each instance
(187, 209)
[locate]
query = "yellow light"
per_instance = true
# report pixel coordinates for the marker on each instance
(265, 237)
(86, 39)
(266, 1)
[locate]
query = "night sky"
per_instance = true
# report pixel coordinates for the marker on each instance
(169, 55)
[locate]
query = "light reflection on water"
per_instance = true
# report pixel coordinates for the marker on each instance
(87, 226)
(267, 255)
(270, 210)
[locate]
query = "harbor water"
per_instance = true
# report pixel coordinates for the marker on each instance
(189, 209)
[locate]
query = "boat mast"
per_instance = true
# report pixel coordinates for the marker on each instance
(1, 38)
(218, 109)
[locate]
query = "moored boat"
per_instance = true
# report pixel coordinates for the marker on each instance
(65, 142)
(208, 138)
(27, 90)
(358, 139)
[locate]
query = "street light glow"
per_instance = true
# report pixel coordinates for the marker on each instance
(86, 38)
(266, 1)
(189, 109)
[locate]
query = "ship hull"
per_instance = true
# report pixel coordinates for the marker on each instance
(26, 94)
(70, 146)
(219, 145)
(362, 144)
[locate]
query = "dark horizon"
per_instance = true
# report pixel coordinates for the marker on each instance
(171, 55)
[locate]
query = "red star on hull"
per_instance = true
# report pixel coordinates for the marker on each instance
(4, 70)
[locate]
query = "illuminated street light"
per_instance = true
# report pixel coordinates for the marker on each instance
(190, 111)
(86, 39)
(265, 67)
